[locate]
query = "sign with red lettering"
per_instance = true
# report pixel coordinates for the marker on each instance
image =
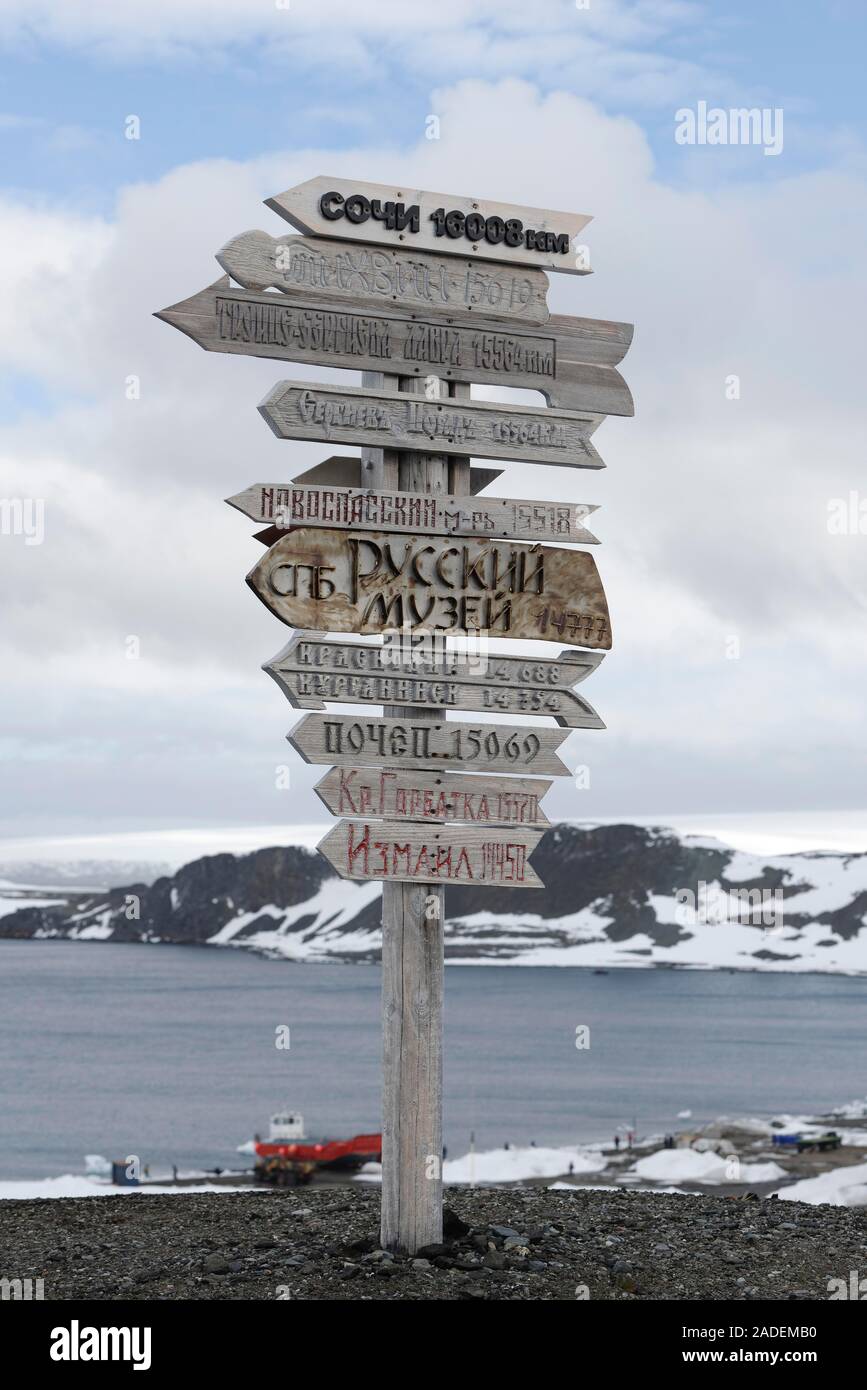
(441, 797)
(426, 854)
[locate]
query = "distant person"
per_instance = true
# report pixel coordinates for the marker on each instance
(571, 1168)
(617, 1142)
(506, 1145)
(174, 1172)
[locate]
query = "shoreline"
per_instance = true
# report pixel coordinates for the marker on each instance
(724, 1157)
(372, 959)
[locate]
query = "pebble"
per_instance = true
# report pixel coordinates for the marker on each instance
(632, 1246)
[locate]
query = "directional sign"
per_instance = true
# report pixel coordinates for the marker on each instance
(372, 582)
(460, 226)
(377, 339)
(424, 655)
(308, 685)
(422, 854)
(344, 470)
(441, 797)
(347, 741)
(434, 514)
(396, 278)
(395, 420)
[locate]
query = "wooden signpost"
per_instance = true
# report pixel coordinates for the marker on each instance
(392, 420)
(416, 513)
(424, 294)
(376, 582)
(467, 348)
(424, 743)
(422, 854)
(392, 277)
(442, 797)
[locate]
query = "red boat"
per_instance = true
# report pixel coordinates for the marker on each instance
(288, 1156)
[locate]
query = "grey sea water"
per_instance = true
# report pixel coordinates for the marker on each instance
(169, 1052)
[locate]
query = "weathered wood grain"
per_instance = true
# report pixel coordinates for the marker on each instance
(413, 929)
(371, 582)
(464, 348)
(388, 419)
(439, 797)
(421, 655)
(310, 688)
(391, 276)
(302, 205)
(406, 853)
(344, 470)
(412, 1066)
(285, 505)
(419, 742)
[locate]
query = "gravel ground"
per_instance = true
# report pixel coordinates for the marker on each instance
(501, 1243)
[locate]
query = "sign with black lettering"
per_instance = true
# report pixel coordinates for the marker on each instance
(394, 420)
(392, 216)
(377, 339)
(434, 514)
(313, 672)
(375, 582)
(344, 740)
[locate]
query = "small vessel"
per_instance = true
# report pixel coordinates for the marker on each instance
(289, 1156)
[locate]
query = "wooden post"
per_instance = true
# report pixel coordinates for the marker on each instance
(413, 919)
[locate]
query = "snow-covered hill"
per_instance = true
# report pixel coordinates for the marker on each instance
(619, 895)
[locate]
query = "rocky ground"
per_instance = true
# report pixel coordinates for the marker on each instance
(501, 1243)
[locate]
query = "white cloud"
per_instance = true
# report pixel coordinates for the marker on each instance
(626, 48)
(714, 510)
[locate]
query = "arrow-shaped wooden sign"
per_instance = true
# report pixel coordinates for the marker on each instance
(424, 655)
(349, 741)
(344, 470)
(423, 854)
(395, 216)
(377, 339)
(392, 420)
(440, 797)
(287, 505)
(308, 683)
(392, 277)
(372, 582)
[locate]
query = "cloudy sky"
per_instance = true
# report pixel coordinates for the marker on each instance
(732, 554)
